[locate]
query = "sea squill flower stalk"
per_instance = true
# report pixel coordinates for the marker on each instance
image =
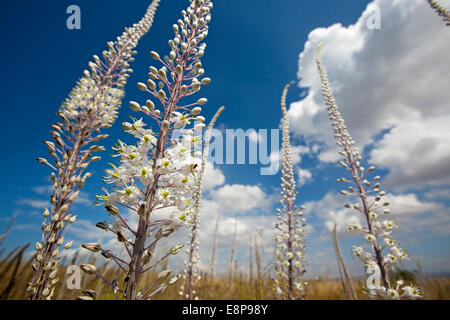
(158, 172)
(440, 10)
(191, 274)
(290, 263)
(91, 106)
(377, 230)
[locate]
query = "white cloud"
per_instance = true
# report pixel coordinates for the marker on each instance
(303, 176)
(37, 204)
(417, 152)
(330, 209)
(247, 226)
(212, 177)
(297, 152)
(86, 230)
(239, 198)
(409, 204)
(396, 77)
(47, 189)
(412, 213)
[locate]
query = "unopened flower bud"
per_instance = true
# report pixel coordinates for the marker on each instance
(155, 55)
(196, 111)
(102, 225)
(141, 86)
(88, 268)
(150, 105)
(151, 84)
(164, 274)
(176, 249)
(113, 210)
(165, 125)
(68, 245)
(206, 81)
(135, 106)
(121, 236)
(202, 101)
(162, 94)
(94, 247)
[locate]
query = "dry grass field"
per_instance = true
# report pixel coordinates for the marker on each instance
(15, 272)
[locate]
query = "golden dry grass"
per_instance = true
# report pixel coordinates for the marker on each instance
(14, 273)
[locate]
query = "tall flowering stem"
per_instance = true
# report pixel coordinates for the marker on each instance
(158, 173)
(377, 230)
(91, 106)
(191, 274)
(440, 10)
(290, 263)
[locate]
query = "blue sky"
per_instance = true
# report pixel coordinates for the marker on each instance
(253, 50)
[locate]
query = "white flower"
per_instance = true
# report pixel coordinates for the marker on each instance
(298, 285)
(412, 292)
(130, 194)
(145, 175)
(356, 227)
(279, 291)
(392, 294)
(179, 120)
(389, 242)
(370, 238)
(389, 224)
(390, 260)
(372, 267)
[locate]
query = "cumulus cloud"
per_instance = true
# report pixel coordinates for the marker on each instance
(303, 176)
(412, 213)
(330, 210)
(212, 177)
(247, 226)
(409, 204)
(239, 198)
(417, 153)
(393, 78)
